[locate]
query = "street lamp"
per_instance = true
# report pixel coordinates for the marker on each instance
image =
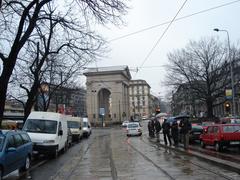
(231, 70)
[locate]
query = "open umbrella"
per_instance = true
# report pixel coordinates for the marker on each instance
(161, 115)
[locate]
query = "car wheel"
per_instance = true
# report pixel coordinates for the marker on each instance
(55, 154)
(140, 134)
(26, 164)
(218, 147)
(66, 147)
(202, 144)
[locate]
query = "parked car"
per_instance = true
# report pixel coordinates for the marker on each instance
(15, 151)
(221, 135)
(87, 130)
(206, 124)
(134, 128)
(48, 132)
(124, 124)
(75, 126)
(195, 132)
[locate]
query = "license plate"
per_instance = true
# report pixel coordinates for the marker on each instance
(235, 142)
(197, 133)
(35, 152)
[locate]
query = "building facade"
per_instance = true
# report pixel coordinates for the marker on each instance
(185, 102)
(140, 98)
(13, 108)
(70, 101)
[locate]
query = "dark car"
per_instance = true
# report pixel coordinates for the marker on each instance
(15, 151)
(195, 132)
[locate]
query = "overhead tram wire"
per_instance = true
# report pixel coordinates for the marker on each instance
(177, 19)
(160, 38)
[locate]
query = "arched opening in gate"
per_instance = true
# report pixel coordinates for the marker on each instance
(105, 103)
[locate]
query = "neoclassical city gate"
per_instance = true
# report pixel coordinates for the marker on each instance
(107, 94)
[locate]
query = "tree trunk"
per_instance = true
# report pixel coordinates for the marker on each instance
(31, 100)
(4, 80)
(209, 103)
(3, 90)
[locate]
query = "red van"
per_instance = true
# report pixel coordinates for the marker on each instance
(221, 135)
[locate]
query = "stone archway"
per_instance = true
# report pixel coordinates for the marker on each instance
(108, 88)
(104, 102)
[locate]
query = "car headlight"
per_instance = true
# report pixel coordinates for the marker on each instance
(48, 141)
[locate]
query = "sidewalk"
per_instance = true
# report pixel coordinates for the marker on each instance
(226, 161)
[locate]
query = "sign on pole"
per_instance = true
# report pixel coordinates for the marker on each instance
(102, 111)
(228, 93)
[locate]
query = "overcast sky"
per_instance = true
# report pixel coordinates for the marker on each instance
(133, 50)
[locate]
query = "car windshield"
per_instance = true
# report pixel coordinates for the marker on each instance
(41, 126)
(196, 127)
(231, 128)
(206, 123)
(1, 142)
(85, 124)
(132, 125)
(73, 124)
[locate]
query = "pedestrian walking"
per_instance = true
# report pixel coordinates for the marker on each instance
(185, 128)
(166, 132)
(157, 127)
(174, 132)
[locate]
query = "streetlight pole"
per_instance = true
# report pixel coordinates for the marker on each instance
(231, 69)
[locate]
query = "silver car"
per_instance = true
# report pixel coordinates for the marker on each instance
(124, 124)
(134, 128)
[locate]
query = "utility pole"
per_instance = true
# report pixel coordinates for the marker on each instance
(233, 109)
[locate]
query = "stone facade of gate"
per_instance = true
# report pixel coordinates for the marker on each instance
(108, 95)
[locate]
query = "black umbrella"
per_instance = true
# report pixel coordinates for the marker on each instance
(182, 116)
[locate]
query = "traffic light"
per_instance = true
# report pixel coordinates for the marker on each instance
(227, 107)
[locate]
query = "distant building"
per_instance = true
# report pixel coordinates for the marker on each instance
(71, 101)
(154, 104)
(185, 101)
(140, 98)
(13, 108)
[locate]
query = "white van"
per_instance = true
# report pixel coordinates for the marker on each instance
(75, 126)
(87, 130)
(48, 132)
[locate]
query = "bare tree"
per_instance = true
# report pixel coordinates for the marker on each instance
(20, 20)
(51, 58)
(204, 67)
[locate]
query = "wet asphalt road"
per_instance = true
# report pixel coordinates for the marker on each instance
(109, 154)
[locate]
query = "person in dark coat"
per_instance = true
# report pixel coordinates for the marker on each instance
(131, 119)
(151, 128)
(166, 132)
(157, 127)
(185, 128)
(174, 131)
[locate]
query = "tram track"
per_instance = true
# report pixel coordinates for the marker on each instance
(183, 159)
